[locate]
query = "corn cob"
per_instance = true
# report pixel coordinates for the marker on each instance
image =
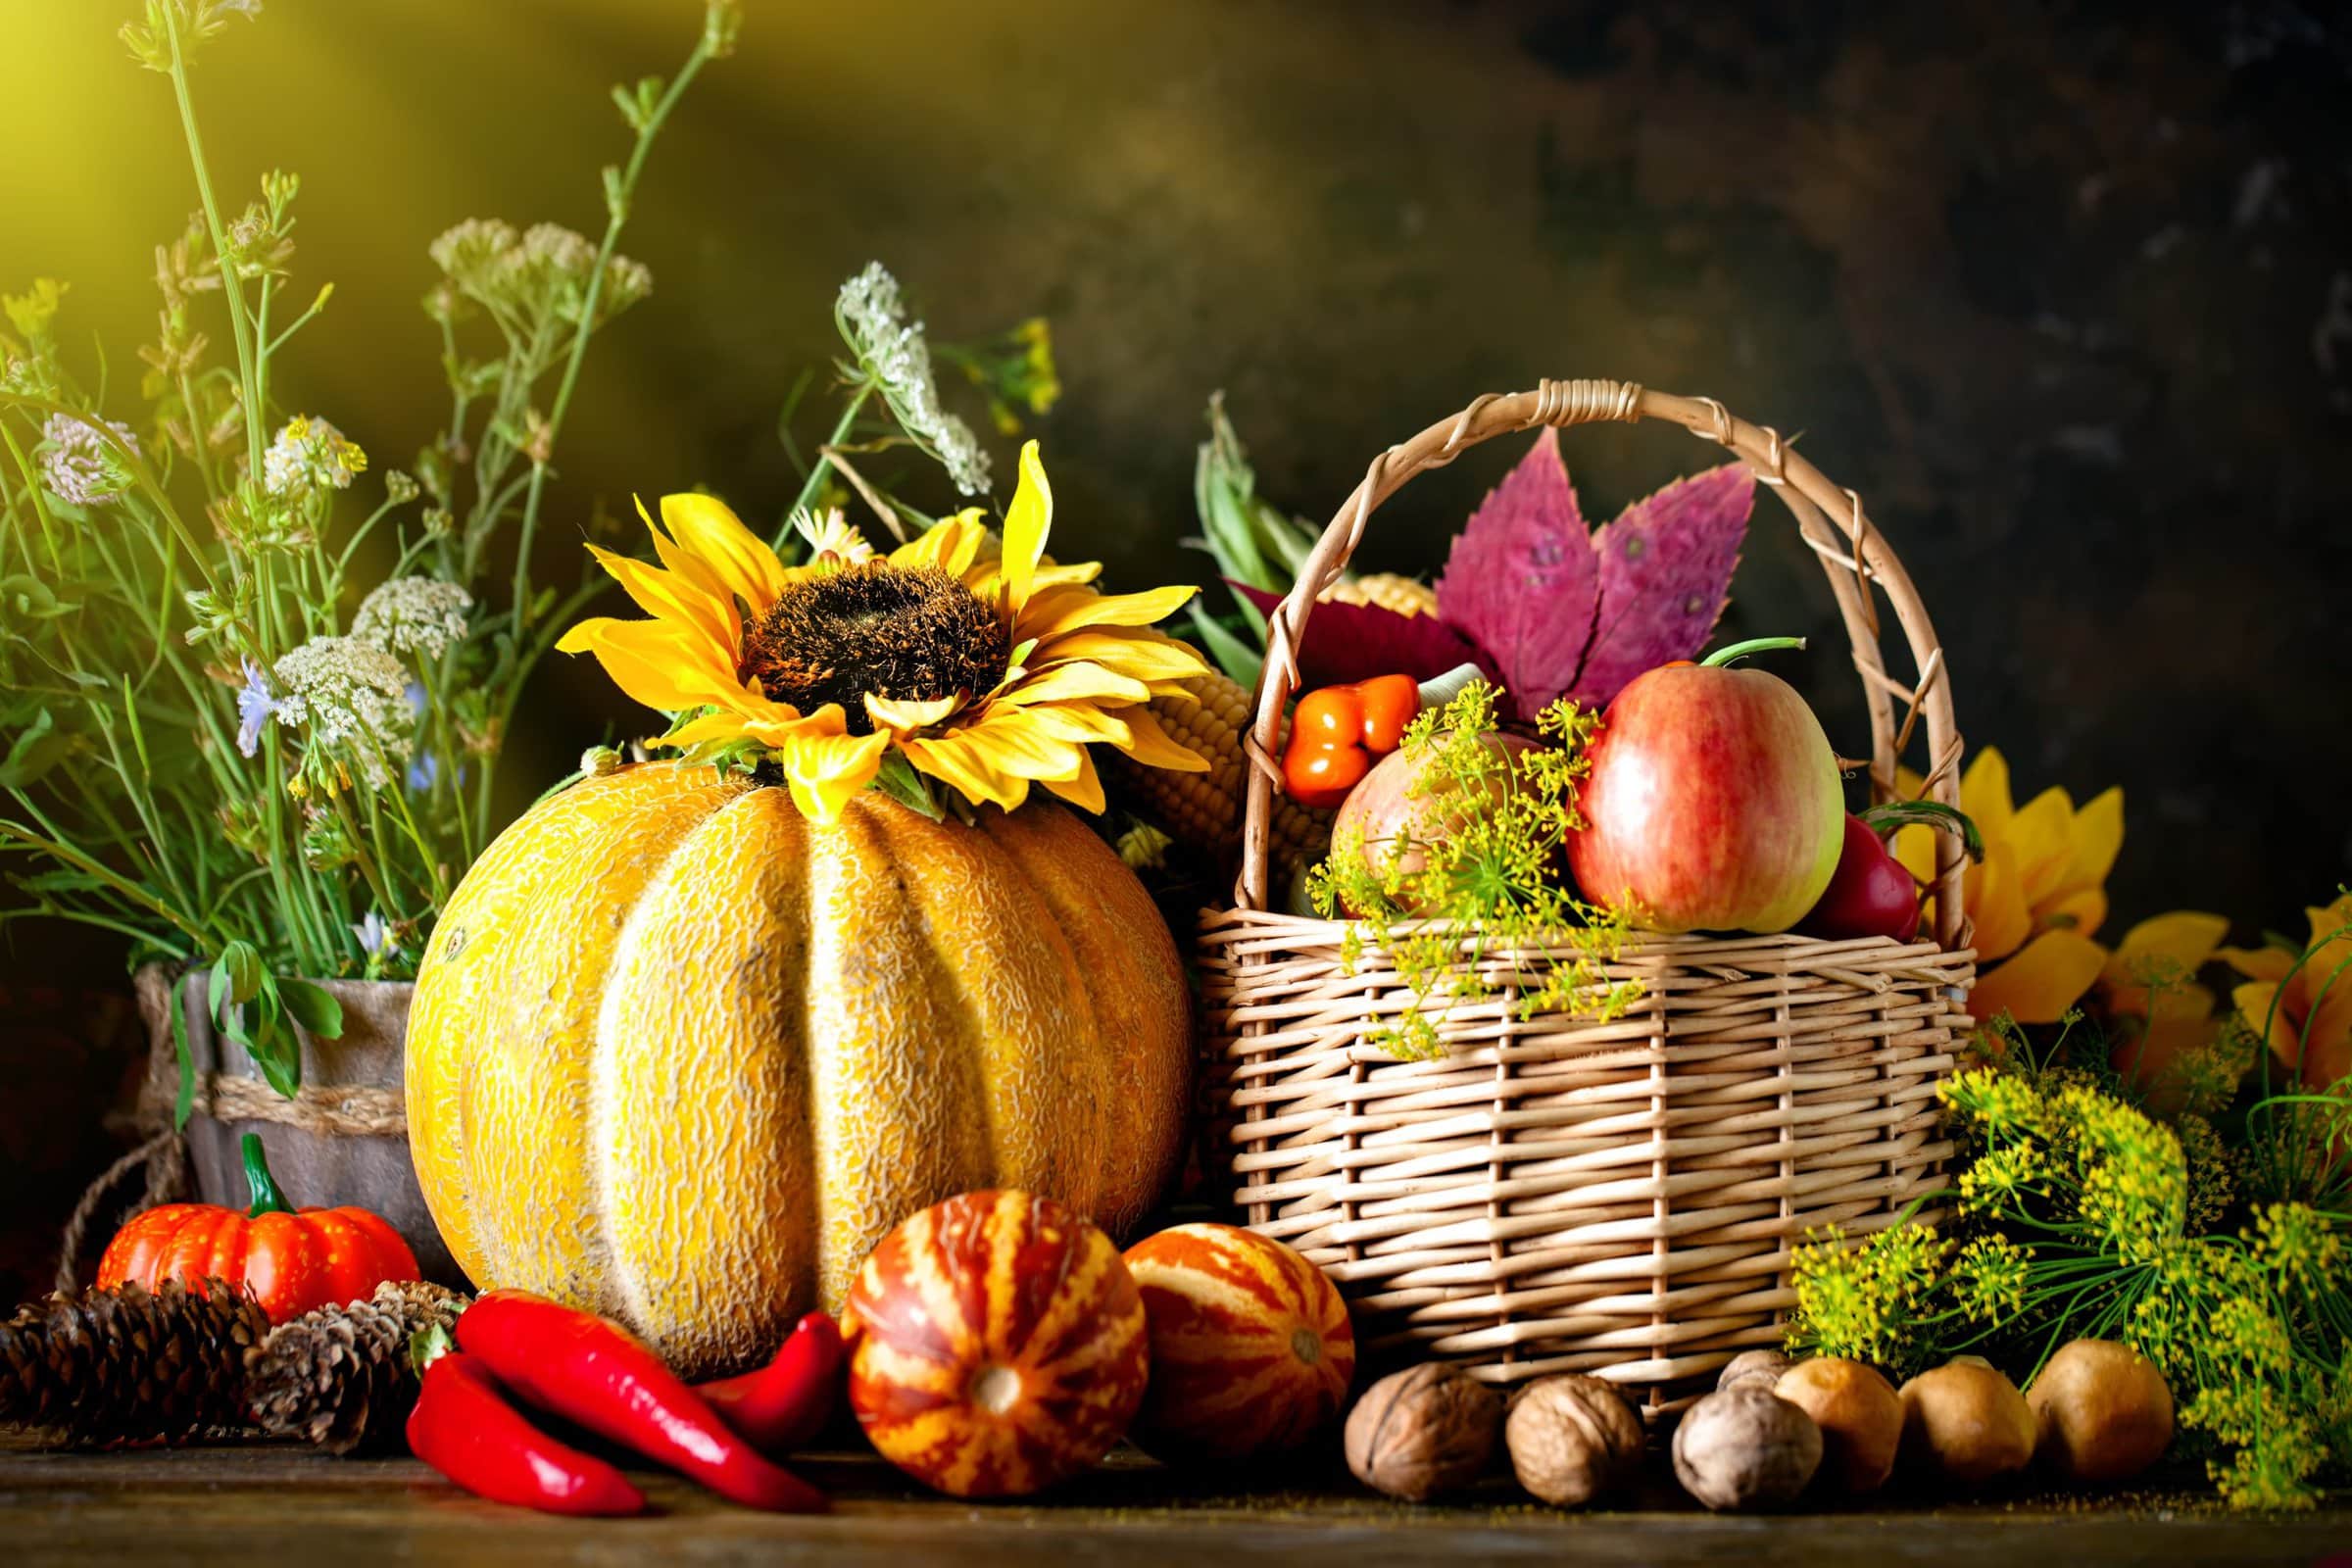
(1408, 596)
(1204, 809)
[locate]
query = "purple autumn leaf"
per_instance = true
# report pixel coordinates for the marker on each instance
(1522, 582)
(1347, 643)
(1666, 567)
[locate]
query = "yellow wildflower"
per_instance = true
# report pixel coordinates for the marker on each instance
(985, 666)
(2304, 1011)
(2039, 893)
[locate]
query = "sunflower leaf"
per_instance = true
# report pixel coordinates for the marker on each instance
(897, 779)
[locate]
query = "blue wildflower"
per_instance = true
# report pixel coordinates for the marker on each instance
(424, 771)
(255, 706)
(376, 937)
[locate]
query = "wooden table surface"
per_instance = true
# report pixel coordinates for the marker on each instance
(266, 1506)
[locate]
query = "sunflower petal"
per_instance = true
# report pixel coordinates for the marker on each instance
(2094, 837)
(1138, 652)
(2045, 977)
(2081, 912)
(673, 597)
(1997, 901)
(2260, 1010)
(1083, 722)
(951, 544)
(1063, 610)
(1051, 574)
(2269, 964)
(661, 665)
(2184, 941)
(953, 761)
(1078, 682)
(1985, 794)
(2041, 831)
(1027, 521)
(904, 716)
(1085, 791)
(1153, 747)
(706, 529)
(824, 772)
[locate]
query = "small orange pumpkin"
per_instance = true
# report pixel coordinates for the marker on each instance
(997, 1344)
(290, 1260)
(1251, 1352)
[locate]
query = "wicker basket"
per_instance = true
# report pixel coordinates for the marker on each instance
(1558, 1193)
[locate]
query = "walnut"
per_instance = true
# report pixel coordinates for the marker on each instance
(2101, 1413)
(1966, 1422)
(1860, 1417)
(1760, 1367)
(1573, 1439)
(1745, 1448)
(1423, 1431)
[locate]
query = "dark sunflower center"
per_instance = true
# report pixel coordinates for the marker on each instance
(912, 633)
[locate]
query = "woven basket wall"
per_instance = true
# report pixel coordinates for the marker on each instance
(1558, 1193)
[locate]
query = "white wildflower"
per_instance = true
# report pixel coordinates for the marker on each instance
(421, 615)
(308, 456)
(872, 316)
(545, 268)
(352, 697)
(832, 535)
(78, 464)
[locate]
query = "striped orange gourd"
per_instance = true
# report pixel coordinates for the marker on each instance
(997, 1344)
(1251, 1352)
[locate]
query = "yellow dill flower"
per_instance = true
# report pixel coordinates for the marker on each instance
(2305, 1012)
(2039, 893)
(985, 666)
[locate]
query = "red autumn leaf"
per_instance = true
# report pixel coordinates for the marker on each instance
(1522, 581)
(1347, 643)
(1666, 567)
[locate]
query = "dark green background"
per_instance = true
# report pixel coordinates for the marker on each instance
(2065, 291)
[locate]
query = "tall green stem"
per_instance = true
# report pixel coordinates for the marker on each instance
(233, 291)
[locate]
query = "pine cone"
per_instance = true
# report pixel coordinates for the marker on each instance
(339, 1376)
(130, 1365)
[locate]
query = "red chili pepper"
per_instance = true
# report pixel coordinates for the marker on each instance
(787, 1402)
(465, 1429)
(597, 1373)
(1337, 731)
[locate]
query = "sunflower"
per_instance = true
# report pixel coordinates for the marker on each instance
(983, 667)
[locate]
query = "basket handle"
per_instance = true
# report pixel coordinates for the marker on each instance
(1830, 519)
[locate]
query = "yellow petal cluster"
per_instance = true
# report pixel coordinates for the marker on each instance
(2304, 1011)
(1083, 662)
(2039, 896)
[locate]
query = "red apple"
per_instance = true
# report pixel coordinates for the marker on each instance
(1714, 801)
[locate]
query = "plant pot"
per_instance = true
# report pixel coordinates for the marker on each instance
(344, 1141)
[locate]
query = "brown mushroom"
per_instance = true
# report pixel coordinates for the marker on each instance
(2101, 1413)
(1966, 1423)
(1859, 1413)
(1573, 1439)
(1745, 1448)
(1424, 1430)
(1760, 1367)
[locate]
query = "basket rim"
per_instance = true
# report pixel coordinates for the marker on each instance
(1854, 554)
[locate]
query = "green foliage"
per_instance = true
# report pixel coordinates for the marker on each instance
(2079, 1215)
(212, 743)
(1473, 897)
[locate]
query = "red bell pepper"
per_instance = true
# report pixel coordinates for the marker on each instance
(595, 1372)
(465, 1429)
(1336, 731)
(787, 1402)
(1872, 894)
